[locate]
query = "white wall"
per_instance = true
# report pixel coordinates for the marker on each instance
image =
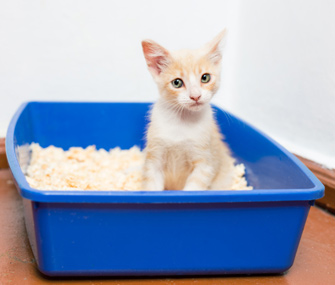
(284, 73)
(91, 50)
(279, 68)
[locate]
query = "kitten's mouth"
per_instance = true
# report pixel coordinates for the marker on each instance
(196, 106)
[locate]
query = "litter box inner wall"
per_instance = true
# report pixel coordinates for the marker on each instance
(168, 238)
(23, 137)
(267, 166)
(108, 125)
(83, 124)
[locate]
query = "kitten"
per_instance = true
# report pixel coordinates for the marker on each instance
(184, 148)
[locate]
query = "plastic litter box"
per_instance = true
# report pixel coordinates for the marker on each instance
(82, 233)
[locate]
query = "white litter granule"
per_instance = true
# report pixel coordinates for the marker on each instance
(52, 168)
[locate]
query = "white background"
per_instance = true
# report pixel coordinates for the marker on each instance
(279, 62)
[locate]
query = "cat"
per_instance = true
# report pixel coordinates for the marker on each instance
(185, 149)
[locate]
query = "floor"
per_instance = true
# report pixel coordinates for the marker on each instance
(314, 263)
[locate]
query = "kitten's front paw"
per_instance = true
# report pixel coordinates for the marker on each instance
(193, 187)
(152, 186)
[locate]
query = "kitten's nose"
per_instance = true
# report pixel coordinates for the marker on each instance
(195, 98)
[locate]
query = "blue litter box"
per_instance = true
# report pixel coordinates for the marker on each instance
(92, 233)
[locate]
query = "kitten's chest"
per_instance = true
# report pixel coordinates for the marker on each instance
(181, 133)
(174, 131)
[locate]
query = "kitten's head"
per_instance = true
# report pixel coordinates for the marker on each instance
(186, 78)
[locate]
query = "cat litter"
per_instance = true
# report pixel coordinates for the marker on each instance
(52, 168)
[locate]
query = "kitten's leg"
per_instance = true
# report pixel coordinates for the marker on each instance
(153, 175)
(224, 178)
(223, 181)
(201, 176)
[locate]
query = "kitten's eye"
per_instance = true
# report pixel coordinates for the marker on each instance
(205, 78)
(177, 83)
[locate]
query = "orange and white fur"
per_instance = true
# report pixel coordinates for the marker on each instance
(185, 150)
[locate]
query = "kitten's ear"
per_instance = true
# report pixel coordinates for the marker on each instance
(214, 47)
(156, 56)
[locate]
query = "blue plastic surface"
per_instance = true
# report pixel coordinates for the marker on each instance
(159, 233)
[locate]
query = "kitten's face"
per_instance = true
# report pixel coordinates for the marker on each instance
(186, 79)
(190, 80)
